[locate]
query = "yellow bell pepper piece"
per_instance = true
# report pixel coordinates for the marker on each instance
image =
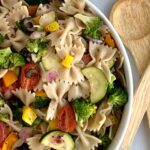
(28, 115)
(10, 141)
(40, 93)
(54, 26)
(36, 19)
(67, 61)
(9, 78)
(53, 124)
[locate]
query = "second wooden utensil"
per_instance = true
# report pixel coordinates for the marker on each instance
(142, 93)
(131, 19)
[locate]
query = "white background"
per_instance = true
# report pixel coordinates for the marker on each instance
(142, 139)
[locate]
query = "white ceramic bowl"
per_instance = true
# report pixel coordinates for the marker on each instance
(115, 145)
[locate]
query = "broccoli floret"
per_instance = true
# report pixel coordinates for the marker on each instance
(36, 2)
(105, 141)
(4, 55)
(111, 84)
(42, 50)
(37, 46)
(16, 60)
(118, 98)
(83, 110)
(2, 102)
(40, 102)
(33, 45)
(1, 38)
(92, 25)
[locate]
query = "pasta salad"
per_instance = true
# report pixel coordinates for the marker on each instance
(62, 83)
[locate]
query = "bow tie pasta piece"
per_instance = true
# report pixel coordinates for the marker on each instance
(97, 121)
(18, 39)
(25, 96)
(86, 141)
(55, 91)
(82, 89)
(62, 36)
(72, 7)
(102, 57)
(9, 4)
(16, 14)
(34, 143)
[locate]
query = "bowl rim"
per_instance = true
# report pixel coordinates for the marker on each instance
(116, 143)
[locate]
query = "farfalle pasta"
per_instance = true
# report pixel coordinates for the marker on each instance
(62, 83)
(26, 97)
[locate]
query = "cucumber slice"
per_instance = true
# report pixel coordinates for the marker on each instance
(51, 61)
(58, 140)
(98, 83)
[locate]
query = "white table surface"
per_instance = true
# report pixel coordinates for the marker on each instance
(142, 139)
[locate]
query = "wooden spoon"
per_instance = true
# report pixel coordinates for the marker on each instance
(140, 103)
(131, 19)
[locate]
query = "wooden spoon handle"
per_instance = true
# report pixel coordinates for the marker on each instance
(140, 105)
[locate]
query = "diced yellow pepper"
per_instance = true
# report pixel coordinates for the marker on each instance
(53, 124)
(28, 115)
(52, 27)
(67, 61)
(40, 93)
(9, 78)
(10, 141)
(36, 19)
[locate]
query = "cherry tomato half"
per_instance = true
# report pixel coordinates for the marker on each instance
(30, 76)
(66, 118)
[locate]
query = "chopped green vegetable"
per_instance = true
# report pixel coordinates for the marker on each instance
(1, 38)
(36, 2)
(4, 117)
(42, 50)
(2, 102)
(105, 140)
(17, 114)
(92, 25)
(40, 102)
(33, 45)
(37, 46)
(37, 122)
(4, 55)
(111, 84)
(83, 110)
(118, 98)
(16, 60)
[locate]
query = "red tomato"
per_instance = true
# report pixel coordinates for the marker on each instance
(7, 91)
(66, 118)
(4, 131)
(30, 76)
(86, 58)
